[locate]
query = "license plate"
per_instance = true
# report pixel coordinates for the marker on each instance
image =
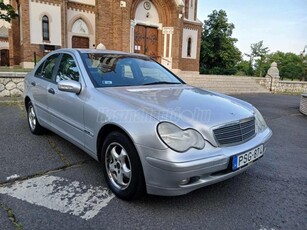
(244, 159)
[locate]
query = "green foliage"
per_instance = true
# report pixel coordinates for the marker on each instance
(9, 12)
(218, 54)
(258, 50)
(245, 68)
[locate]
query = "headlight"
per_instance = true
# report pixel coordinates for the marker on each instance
(260, 122)
(178, 139)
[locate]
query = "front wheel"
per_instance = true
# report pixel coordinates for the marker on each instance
(122, 167)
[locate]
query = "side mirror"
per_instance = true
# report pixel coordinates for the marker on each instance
(70, 86)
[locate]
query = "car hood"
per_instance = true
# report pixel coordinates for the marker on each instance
(184, 105)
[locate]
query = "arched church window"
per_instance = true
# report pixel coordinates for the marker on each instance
(189, 47)
(45, 26)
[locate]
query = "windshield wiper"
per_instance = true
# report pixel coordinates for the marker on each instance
(162, 82)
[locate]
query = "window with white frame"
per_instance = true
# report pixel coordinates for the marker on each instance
(45, 28)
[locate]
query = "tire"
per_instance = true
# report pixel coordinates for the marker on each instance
(33, 123)
(122, 167)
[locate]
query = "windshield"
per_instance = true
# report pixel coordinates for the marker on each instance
(111, 70)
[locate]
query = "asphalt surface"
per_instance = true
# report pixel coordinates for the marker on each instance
(47, 183)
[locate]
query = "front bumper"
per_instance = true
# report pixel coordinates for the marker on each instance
(164, 176)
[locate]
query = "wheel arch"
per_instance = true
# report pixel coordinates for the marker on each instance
(104, 132)
(27, 100)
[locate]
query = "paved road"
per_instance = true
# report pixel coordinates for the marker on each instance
(47, 183)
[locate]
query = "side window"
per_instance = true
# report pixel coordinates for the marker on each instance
(49, 65)
(38, 72)
(68, 69)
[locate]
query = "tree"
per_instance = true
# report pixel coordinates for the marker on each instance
(259, 54)
(218, 54)
(7, 12)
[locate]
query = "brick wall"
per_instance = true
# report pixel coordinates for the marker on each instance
(14, 40)
(186, 8)
(112, 29)
(104, 33)
(195, 12)
(113, 25)
(22, 50)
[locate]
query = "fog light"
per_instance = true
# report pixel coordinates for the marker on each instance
(185, 181)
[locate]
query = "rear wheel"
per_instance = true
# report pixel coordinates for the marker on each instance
(33, 123)
(122, 167)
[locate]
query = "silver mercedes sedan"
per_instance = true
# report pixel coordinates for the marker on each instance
(152, 132)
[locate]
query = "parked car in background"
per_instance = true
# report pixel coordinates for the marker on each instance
(152, 132)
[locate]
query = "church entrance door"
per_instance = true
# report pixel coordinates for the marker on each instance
(80, 42)
(4, 58)
(146, 41)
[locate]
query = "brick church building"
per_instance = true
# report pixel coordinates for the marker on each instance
(167, 30)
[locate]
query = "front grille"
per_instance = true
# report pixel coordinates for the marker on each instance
(235, 133)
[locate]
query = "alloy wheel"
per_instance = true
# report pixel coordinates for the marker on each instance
(32, 118)
(118, 166)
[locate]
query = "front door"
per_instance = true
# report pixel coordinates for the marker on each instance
(66, 109)
(146, 41)
(80, 42)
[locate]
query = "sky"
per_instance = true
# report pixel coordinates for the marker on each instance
(281, 24)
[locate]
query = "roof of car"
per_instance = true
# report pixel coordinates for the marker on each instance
(100, 51)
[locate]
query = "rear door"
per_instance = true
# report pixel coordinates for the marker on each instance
(40, 84)
(66, 108)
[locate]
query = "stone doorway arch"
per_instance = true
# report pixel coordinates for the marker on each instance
(80, 39)
(145, 25)
(152, 29)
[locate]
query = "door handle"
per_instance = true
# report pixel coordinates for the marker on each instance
(33, 83)
(51, 91)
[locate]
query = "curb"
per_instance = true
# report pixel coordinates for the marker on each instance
(10, 100)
